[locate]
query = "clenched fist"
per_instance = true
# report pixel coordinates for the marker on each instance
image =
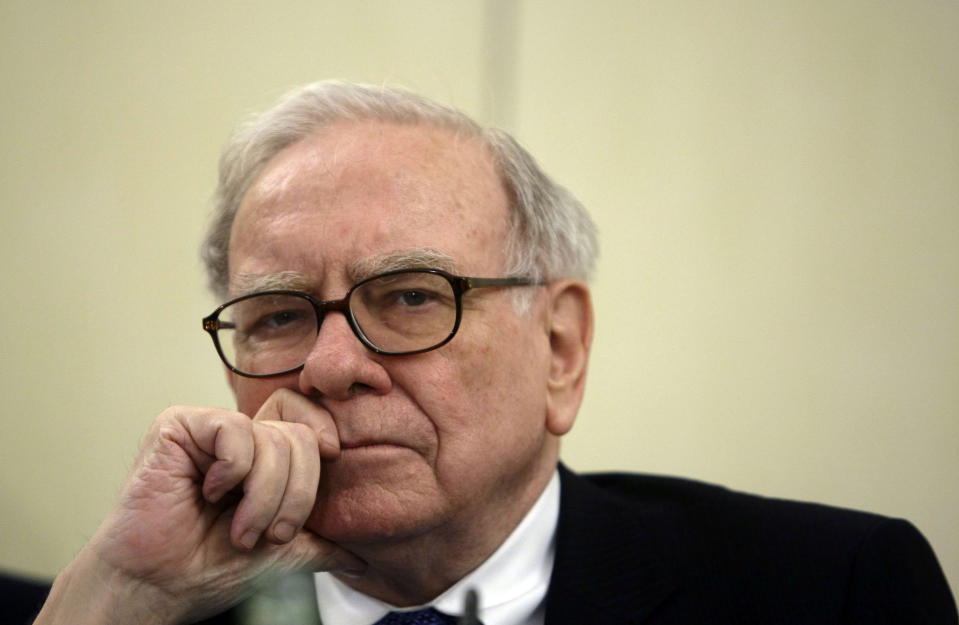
(215, 502)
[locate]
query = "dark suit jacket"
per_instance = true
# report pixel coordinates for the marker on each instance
(658, 550)
(635, 549)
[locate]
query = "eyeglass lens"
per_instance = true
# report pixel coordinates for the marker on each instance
(395, 313)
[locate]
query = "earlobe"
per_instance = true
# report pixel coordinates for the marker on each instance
(570, 337)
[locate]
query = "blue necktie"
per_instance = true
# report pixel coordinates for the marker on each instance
(426, 616)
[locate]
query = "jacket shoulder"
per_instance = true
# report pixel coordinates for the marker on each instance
(746, 557)
(719, 512)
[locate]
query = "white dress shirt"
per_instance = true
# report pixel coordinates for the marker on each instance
(511, 583)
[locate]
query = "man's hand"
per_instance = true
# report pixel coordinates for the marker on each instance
(214, 503)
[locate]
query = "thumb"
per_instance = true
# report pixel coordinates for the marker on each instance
(310, 552)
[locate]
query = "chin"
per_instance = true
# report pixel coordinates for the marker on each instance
(371, 513)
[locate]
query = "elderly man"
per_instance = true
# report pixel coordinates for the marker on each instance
(406, 329)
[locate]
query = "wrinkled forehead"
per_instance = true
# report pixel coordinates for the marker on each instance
(357, 271)
(369, 190)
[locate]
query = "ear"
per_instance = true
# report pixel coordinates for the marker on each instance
(570, 319)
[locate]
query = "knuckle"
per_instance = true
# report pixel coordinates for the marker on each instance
(302, 433)
(273, 435)
(168, 419)
(231, 419)
(300, 499)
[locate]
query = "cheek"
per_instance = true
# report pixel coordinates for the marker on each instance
(251, 393)
(492, 427)
(494, 390)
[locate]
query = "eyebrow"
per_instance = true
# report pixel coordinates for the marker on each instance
(247, 283)
(416, 258)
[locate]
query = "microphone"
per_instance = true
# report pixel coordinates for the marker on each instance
(470, 609)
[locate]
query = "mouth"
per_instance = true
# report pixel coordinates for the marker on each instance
(358, 446)
(370, 446)
(373, 454)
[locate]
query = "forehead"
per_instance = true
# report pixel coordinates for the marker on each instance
(362, 190)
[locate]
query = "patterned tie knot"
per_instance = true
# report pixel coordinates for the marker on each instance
(426, 616)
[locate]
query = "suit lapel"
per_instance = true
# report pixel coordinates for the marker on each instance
(609, 567)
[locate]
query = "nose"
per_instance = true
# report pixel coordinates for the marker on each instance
(339, 366)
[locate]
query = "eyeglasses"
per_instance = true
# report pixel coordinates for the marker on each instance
(396, 313)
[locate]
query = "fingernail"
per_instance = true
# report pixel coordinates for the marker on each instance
(284, 531)
(249, 539)
(354, 569)
(331, 441)
(213, 495)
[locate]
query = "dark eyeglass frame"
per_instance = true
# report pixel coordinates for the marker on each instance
(459, 284)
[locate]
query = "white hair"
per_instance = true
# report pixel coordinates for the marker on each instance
(550, 236)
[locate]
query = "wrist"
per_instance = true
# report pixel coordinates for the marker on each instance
(87, 592)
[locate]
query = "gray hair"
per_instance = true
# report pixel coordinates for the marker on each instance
(551, 235)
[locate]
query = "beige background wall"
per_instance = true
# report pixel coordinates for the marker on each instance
(776, 185)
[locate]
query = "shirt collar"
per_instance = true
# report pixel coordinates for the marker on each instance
(511, 583)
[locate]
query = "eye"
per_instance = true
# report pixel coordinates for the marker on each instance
(414, 298)
(271, 317)
(281, 318)
(278, 320)
(412, 293)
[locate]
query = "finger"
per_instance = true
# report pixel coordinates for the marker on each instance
(310, 552)
(219, 442)
(263, 487)
(301, 488)
(234, 449)
(292, 407)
